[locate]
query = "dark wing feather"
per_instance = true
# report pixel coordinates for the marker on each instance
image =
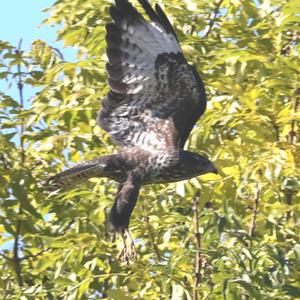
(155, 97)
(197, 113)
(158, 17)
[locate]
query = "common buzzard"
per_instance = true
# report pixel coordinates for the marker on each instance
(154, 101)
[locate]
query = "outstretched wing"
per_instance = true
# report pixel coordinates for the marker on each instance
(155, 97)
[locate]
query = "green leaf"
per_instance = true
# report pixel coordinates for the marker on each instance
(248, 287)
(117, 294)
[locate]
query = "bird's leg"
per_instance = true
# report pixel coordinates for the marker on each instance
(128, 253)
(132, 251)
(123, 256)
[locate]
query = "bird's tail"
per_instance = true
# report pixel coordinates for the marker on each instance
(98, 167)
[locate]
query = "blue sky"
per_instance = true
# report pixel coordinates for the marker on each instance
(22, 19)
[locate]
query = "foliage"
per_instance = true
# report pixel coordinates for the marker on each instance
(60, 246)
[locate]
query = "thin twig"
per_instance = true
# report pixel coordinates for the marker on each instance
(212, 20)
(252, 225)
(16, 258)
(151, 234)
(295, 104)
(21, 96)
(292, 38)
(34, 255)
(7, 289)
(289, 201)
(198, 258)
(292, 137)
(6, 164)
(6, 257)
(193, 26)
(26, 256)
(108, 237)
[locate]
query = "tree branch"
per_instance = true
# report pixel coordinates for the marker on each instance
(198, 258)
(6, 164)
(295, 104)
(252, 225)
(289, 201)
(212, 20)
(6, 257)
(34, 255)
(292, 137)
(21, 96)
(151, 234)
(16, 258)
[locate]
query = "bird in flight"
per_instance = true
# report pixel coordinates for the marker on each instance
(154, 101)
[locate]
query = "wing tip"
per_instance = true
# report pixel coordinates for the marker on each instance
(158, 16)
(165, 21)
(124, 10)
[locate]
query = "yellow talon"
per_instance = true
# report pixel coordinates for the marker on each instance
(128, 253)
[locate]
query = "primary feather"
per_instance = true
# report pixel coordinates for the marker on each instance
(155, 97)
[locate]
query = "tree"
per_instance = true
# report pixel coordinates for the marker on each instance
(230, 237)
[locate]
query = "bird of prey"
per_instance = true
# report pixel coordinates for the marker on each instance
(154, 101)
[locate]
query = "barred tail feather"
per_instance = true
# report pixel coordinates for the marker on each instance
(72, 177)
(99, 167)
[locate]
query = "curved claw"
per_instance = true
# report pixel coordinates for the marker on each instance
(128, 253)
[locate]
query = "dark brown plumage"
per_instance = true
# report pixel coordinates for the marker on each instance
(154, 101)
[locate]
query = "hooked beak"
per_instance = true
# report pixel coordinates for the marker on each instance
(215, 171)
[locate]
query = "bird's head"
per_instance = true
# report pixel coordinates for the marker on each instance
(195, 164)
